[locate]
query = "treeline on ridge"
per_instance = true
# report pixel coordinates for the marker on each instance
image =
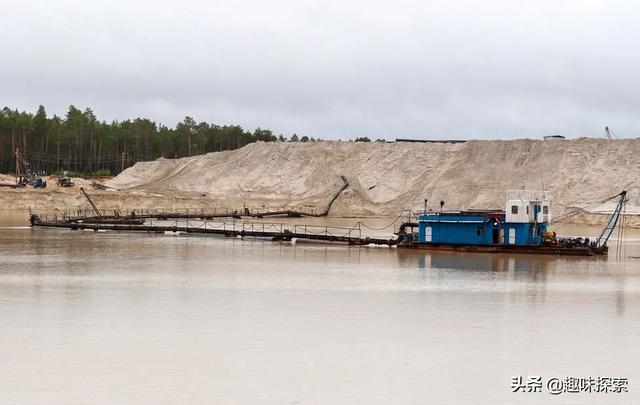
(80, 143)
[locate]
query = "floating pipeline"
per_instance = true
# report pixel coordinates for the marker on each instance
(405, 237)
(521, 228)
(275, 232)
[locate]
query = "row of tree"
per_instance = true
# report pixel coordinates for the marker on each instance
(79, 142)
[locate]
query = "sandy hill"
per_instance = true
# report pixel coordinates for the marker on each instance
(388, 178)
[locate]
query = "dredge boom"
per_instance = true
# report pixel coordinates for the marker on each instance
(613, 220)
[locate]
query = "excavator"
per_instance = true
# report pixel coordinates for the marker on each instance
(65, 180)
(25, 176)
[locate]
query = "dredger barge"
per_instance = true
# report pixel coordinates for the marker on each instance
(521, 228)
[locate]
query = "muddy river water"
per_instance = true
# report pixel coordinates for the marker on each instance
(130, 318)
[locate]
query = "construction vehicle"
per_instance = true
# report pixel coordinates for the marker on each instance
(65, 180)
(39, 182)
(24, 174)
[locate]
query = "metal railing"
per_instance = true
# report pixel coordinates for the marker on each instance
(257, 228)
(158, 212)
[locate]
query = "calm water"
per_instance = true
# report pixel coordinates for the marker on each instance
(116, 318)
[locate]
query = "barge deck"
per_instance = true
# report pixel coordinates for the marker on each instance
(533, 249)
(158, 224)
(523, 229)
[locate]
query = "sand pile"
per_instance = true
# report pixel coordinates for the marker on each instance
(384, 179)
(388, 178)
(6, 179)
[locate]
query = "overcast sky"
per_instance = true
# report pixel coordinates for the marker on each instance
(333, 69)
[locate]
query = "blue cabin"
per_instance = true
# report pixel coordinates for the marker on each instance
(523, 222)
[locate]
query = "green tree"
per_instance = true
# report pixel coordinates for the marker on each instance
(80, 142)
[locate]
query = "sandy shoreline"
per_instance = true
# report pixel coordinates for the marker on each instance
(384, 179)
(55, 199)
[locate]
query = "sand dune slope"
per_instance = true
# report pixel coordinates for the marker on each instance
(388, 178)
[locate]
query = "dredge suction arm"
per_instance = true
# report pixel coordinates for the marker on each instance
(613, 220)
(95, 209)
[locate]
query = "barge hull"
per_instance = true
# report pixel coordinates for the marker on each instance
(528, 249)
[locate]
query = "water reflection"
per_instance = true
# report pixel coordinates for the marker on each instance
(208, 316)
(479, 261)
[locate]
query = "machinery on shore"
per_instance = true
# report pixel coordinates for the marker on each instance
(65, 180)
(25, 176)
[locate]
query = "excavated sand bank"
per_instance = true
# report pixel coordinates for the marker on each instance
(388, 178)
(385, 179)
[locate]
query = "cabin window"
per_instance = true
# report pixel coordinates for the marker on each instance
(514, 209)
(545, 209)
(480, 231)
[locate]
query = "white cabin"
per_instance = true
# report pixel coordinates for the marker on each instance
(528, 206)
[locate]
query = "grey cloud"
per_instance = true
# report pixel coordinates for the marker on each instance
(493, 69)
